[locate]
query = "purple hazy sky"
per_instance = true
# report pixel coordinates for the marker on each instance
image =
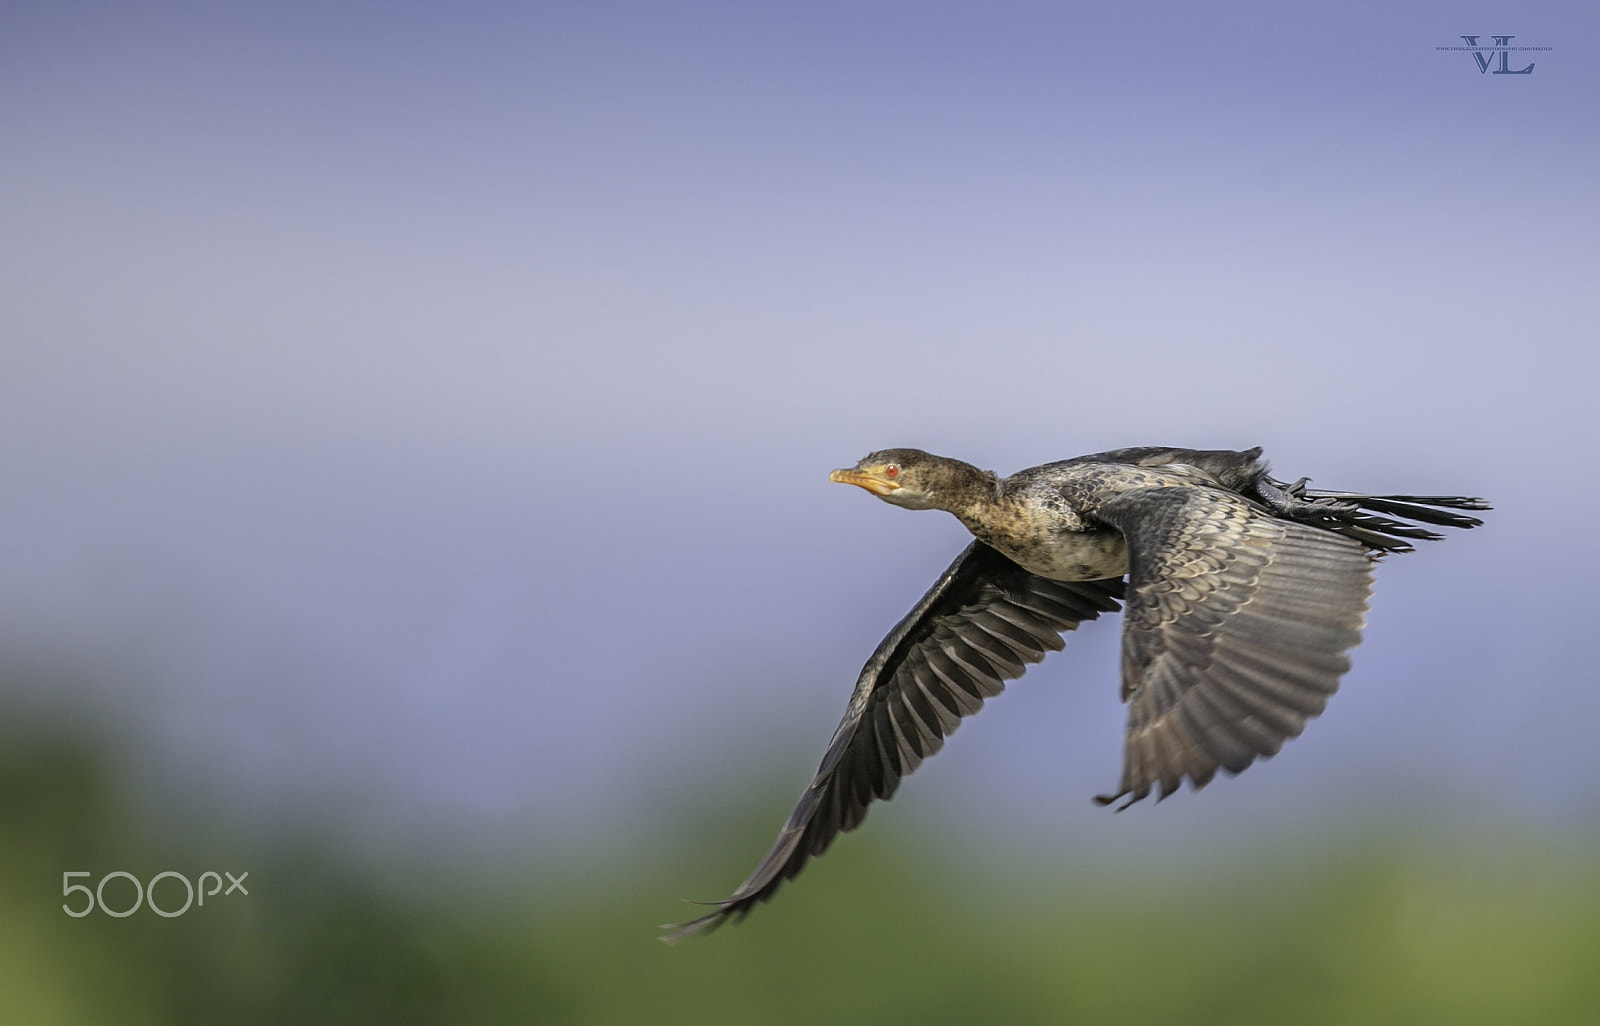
(424, 410)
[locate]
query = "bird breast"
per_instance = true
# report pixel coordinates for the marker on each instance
(1048, 537)
(1075, 555)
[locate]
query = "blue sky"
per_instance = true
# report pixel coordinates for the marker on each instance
(424, 411)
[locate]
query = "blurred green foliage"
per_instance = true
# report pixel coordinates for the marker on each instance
(1378, 928)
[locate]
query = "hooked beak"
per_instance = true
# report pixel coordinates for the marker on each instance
(874, 483)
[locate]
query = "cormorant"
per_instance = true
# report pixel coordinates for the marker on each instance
(1243, 595)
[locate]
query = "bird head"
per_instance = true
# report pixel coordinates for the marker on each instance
(909, 478)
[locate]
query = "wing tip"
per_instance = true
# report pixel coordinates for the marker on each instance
(1111, 799)
(706, 924)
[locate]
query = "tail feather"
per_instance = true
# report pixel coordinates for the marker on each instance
(1414, 507)
(1395, 527)
(1372, 519)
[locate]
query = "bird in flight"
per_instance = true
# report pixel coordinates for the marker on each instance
(1243, 596)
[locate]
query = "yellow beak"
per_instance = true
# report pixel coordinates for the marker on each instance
(873, 483)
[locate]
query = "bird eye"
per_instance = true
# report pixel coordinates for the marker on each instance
(892, 471)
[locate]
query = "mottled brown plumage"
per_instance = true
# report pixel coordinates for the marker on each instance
(1243, 595)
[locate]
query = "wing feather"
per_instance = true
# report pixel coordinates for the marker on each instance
(980, 625)
(1236, 630)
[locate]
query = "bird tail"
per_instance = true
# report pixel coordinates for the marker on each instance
(1377, 521)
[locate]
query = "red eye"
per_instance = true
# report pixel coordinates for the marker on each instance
(891, 471)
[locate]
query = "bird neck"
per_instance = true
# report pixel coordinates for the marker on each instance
(967, 492)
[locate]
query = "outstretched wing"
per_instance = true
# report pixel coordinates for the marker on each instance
(1236, 631)
(980, 624)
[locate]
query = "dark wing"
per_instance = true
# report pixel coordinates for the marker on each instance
(1236, 631)
(980, 624)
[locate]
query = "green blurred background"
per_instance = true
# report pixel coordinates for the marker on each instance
(1360, 922)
